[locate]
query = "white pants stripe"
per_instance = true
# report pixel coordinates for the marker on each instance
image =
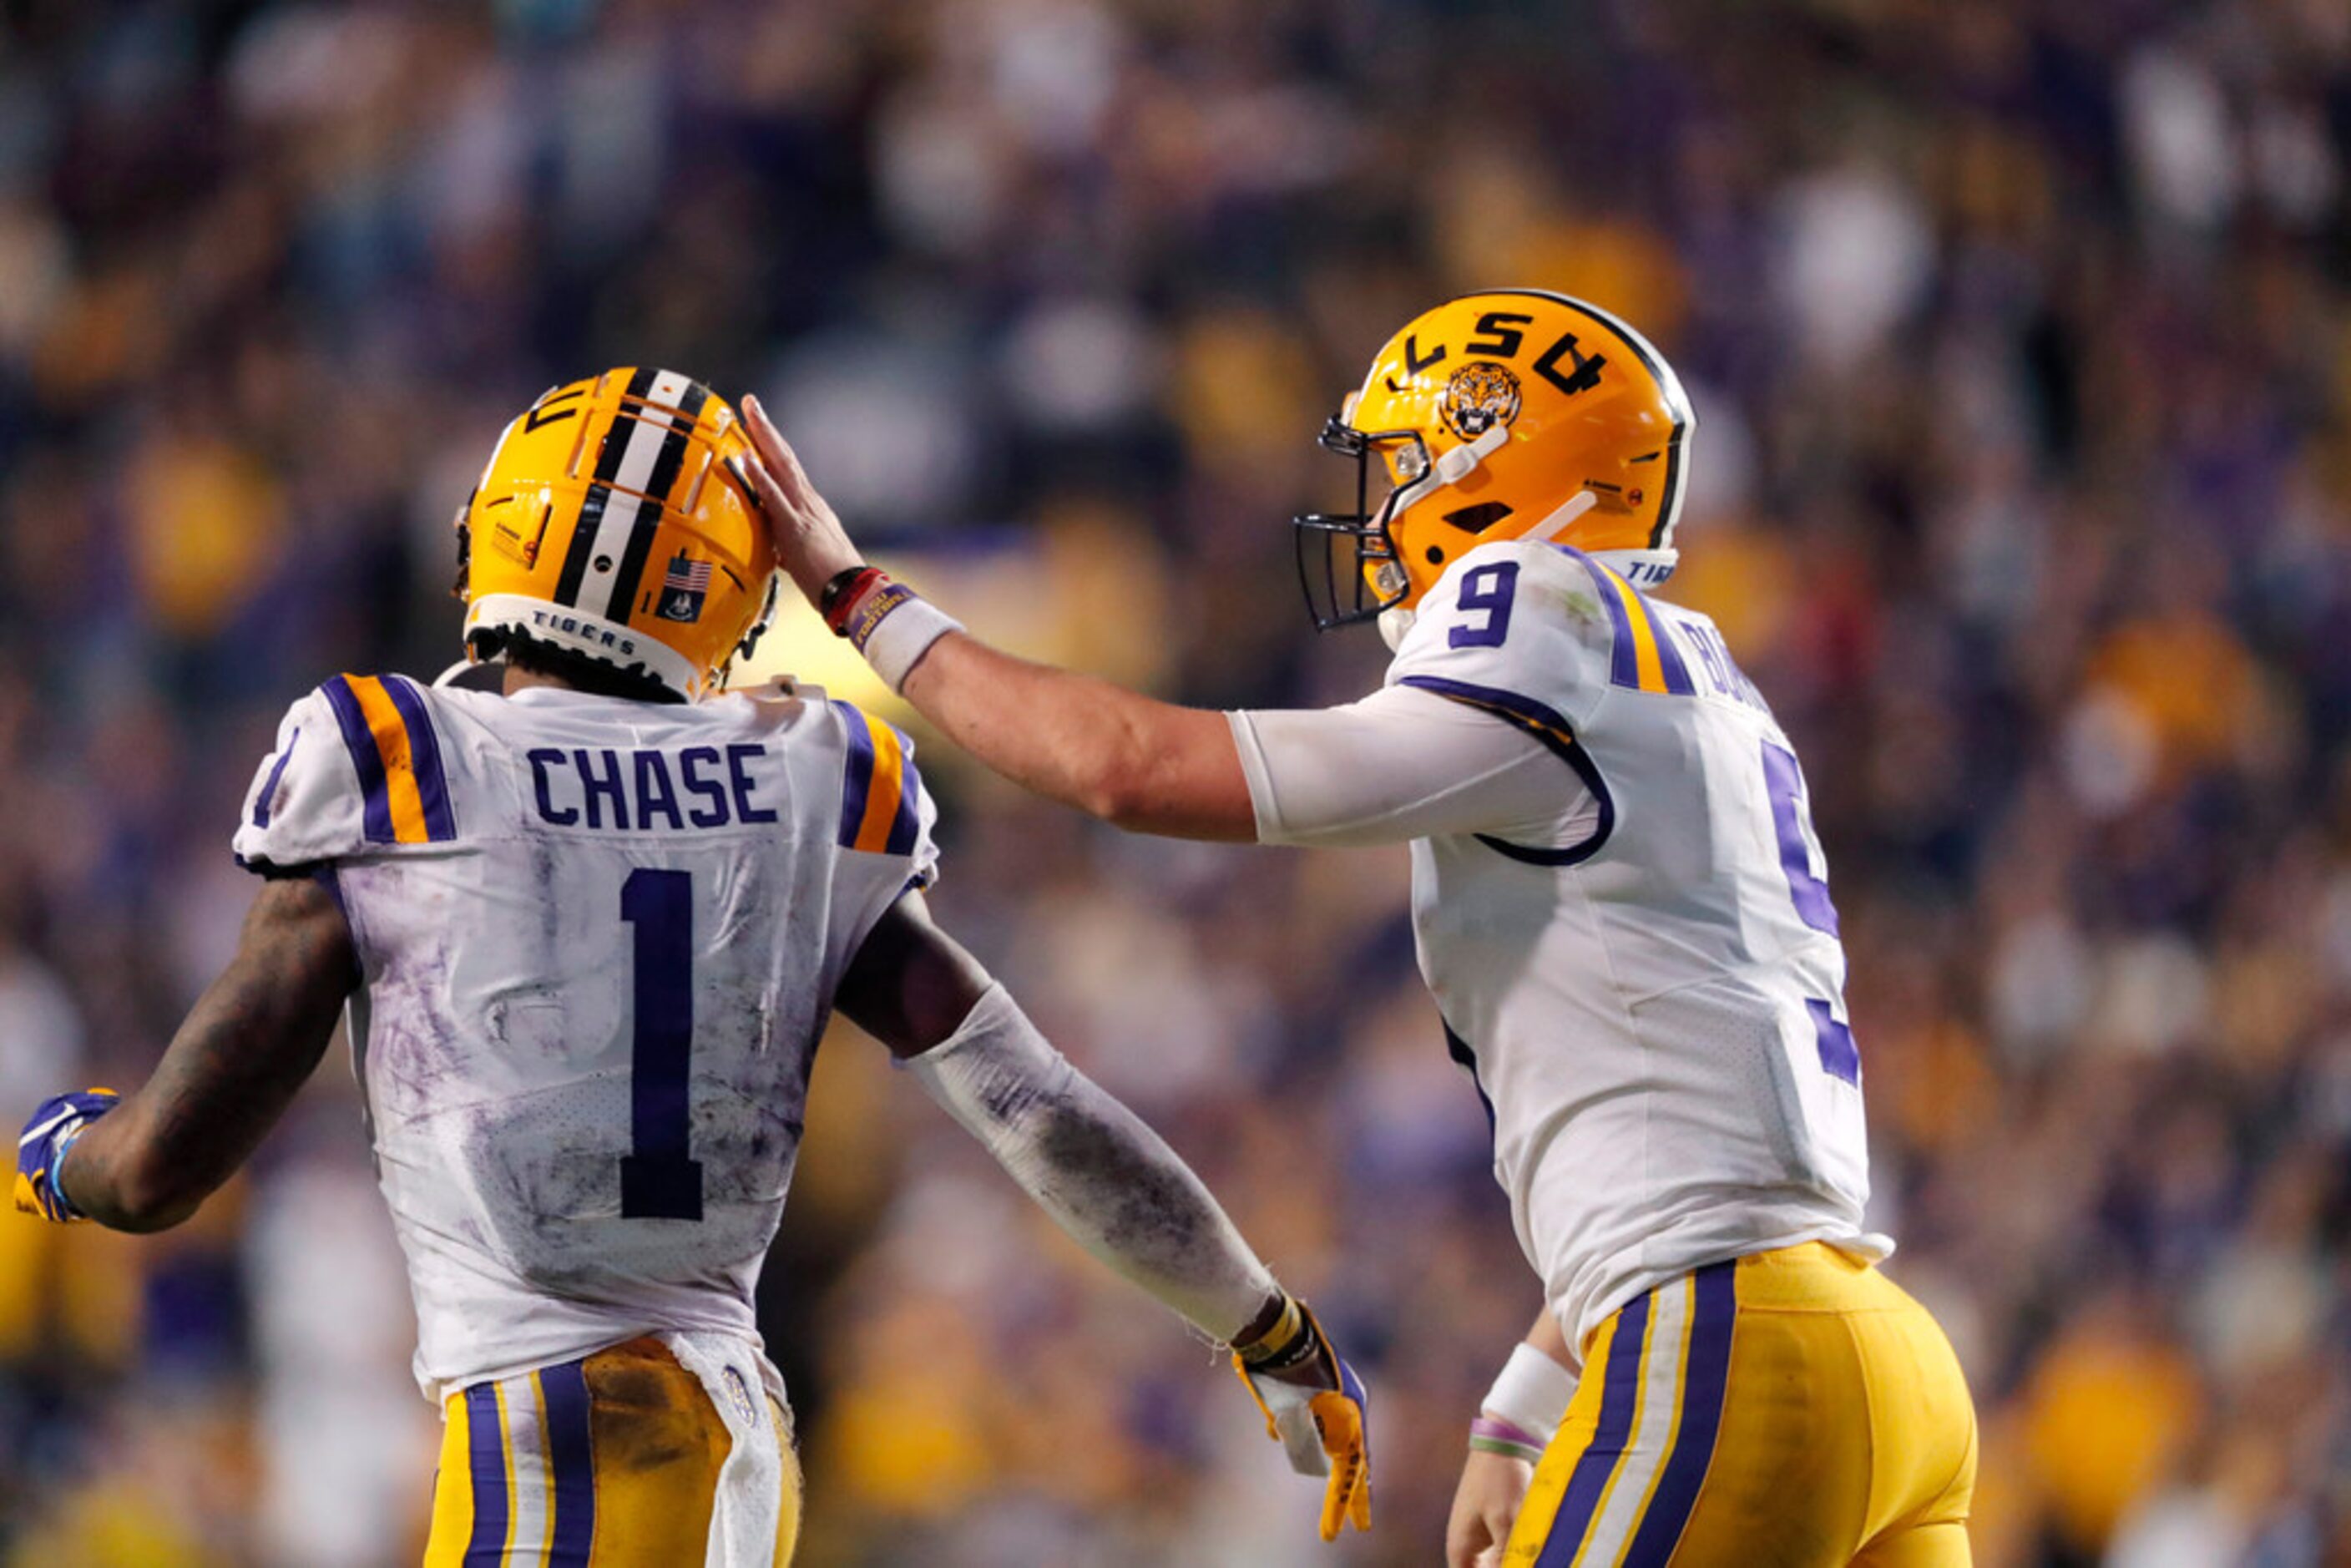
(1652, 1437)
(531, 1504)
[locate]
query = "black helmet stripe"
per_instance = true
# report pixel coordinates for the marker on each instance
(666, 464)
(590, 520)
(616, 525)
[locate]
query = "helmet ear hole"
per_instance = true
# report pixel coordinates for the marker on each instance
(1477, 519)
(1435, 554)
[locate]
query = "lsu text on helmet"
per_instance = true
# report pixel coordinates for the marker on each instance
(616, 521)
(1510, 413)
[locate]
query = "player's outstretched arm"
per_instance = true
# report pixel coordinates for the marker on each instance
(1400, 765)
(145, 1161)
(1145, 765)
(1109, 1182)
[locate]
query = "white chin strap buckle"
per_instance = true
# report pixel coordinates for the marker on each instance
(1454, 466)
(1450, 468)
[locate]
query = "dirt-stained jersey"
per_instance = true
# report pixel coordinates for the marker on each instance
(1652, 1000)
(600, 941)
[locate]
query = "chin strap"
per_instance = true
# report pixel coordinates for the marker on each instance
(1550, 528)
(1450, 468)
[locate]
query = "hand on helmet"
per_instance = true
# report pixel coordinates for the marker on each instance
(811, 545)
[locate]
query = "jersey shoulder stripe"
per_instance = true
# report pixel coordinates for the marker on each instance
(1547, 725)
(404, 789)
(881, 790)
(264, 804)
(1644, 658)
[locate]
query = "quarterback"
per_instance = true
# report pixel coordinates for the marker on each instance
(587, 917)
(1621, 910)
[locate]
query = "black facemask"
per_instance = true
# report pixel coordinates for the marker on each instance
(1323, 560)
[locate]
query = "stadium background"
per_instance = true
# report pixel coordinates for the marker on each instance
(2019, 335)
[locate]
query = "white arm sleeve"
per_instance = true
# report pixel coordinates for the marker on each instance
(1404, 764)
(1089, 1162)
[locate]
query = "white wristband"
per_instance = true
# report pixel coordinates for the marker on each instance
(1533, 1392)
(903, 635)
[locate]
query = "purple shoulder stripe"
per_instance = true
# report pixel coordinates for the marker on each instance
(857, 778)
(277, 776)
(375, 797)
(424, 757)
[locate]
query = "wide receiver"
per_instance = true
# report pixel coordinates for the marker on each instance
(1622, 912)
(589, 925)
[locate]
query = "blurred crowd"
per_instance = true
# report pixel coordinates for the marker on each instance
(2020, 333)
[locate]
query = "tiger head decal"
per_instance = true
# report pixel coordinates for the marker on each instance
(1481, 395)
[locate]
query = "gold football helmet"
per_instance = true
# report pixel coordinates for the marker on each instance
(1507, 414)
(616, 520)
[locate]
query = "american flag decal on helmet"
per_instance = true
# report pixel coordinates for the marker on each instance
(683, 588)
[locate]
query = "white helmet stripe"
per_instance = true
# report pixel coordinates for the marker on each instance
(603, 583)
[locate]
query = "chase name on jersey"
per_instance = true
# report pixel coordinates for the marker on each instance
(639, 790)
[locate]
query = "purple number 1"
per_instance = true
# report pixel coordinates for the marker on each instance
(1783, 781)
(660, 1178)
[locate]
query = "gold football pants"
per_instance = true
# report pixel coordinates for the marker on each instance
(1791, 1409)
(611, 1462)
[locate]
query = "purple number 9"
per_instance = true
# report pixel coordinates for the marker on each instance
(1489, 590)
(1785, 783)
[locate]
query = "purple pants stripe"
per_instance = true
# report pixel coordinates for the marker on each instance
(1619, 1394)
(486, 1445)
(563, 1394)
(1704, 1381)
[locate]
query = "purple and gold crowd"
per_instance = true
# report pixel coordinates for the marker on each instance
(2020, 333)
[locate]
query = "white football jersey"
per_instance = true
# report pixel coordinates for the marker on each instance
(600, 940)
(1652, 1003)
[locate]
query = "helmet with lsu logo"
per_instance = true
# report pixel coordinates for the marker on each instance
(1512, 414)
(616, 522)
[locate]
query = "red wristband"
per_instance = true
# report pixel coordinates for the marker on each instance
(841, 605)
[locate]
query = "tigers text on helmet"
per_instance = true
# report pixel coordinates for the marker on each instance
(1510, 413)
(616, 520)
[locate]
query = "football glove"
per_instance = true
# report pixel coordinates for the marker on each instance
(1323, 1430)
(41, 1150)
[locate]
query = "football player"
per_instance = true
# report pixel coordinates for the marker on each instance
(588, 927)
(1621, 909)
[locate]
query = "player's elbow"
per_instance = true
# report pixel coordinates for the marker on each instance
(143, 1201)
(1118, 792)
(1118, 800)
